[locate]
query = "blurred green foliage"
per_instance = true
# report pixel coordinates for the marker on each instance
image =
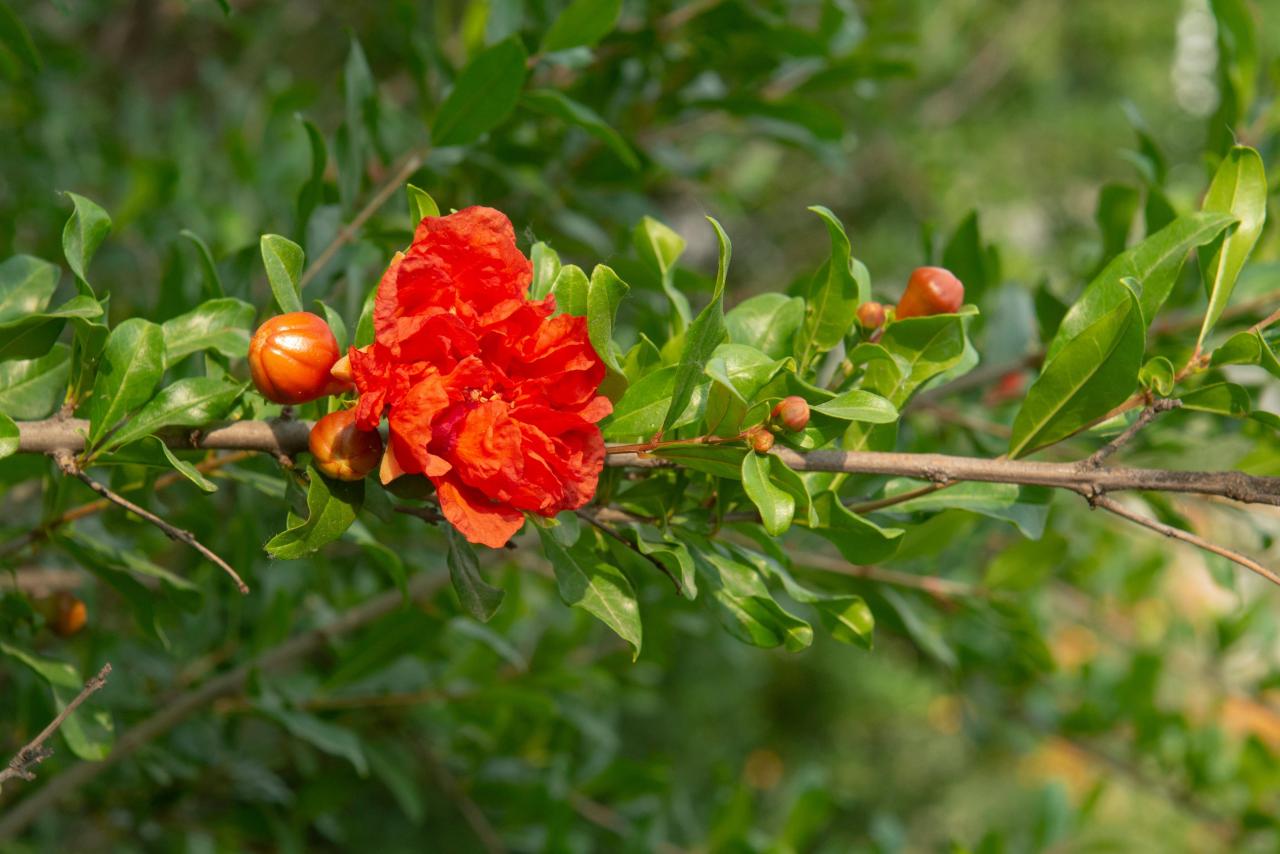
(1091, 689)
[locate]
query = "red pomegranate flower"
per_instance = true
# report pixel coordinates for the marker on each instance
(486, 392)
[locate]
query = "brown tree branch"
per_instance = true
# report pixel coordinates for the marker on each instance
(197, 699)
(1147, 416)
(21, 765)
(67, 463)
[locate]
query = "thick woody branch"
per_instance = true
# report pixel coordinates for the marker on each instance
(21, 765)
(290, 437)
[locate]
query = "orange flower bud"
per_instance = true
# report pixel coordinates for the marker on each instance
(792, 412)
(871, 315)
(931, 290)
(760, 439)
(69, 615)
(290, 357)
(343, 451)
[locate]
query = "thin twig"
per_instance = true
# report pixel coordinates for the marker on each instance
(942, 588)
(467, 807)
(69, 466)
(591, 519)
(1120, 510)
(1147, 416)
(187, 704)
(35, 752)
(348, 231)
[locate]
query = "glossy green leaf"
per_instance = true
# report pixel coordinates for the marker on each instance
(660, 247)
(546, 267)
(834, 294)
(1248, 348)
(1239, 188)
(88, 733)
(83, 234)
(190, 402)
(581, 24)
(1220, 399)
(768, 322)
(26, 286)
(604, 294)
(332, 506)
(1157, 375)
(1093, 373)
(15, 37)
(701, 338)
(34, 388)
(9, 436)
(421, 205)
(859, 405)
(131, 366)
(743, 603)
(777, 507)
(1025, 507)
(283, 259)
(551, 102)
(570, 289)
(640, 412)
(222, 325)
(591, 582)
(34, 335)
(185, 468)
(860, 540)
(845, 616)
(484, 94)
(671, 552)
(211, 282)
(479, 598)
(918, 349)
(1155, 263)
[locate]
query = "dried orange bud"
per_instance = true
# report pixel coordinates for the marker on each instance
(291, 356)
(792, 412)
(69, 615)
(760, 439)
(871, 315)
(343, 451)
(931, 290)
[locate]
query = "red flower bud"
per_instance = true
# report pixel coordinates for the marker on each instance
(793, 412)
(290, 357)
(66, 614)
(760, 439)
(343, 451)
(931, 290)
(871, 315)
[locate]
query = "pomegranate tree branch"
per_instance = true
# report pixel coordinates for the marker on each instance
(1148, 414)
(70, 467)
(21, 765)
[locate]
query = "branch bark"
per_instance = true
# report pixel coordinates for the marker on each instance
(185, 705)
(290, 437)
(35, 752)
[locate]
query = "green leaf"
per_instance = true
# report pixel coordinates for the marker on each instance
(975, 264)
(1117, 206)
(34, 335)
(604, 294)
(860, 540)
(546, 267)
(1220, 399)
(1248, 348)
(15, 37)
(327, 737)
(570, 290)
(283, 259)
(131, 365)
(484, 94)
(845, 616)
(743, 603)
(1025, 507)
(1239, 188)
(1093, 373)
(185, 468)
(191, 402)
(421, 205)
(34, 388)
(1155, 263)
(1157, 375)
(777, 507)
(83, 234)
(26, 286)
(701, 338)
(591, 582)
(212, 283)
(551, 102)
(89, 734)
(9, 436)
(834, 294)
(660, 247)
(859, 405)
(918, 349)
(673, 554)
(719, 460)
(478, 597)
(581, 24)
(332, 506)
(312, 193)
(222, 325)
(768, 322)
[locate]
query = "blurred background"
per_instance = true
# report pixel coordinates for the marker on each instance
(1094, 688)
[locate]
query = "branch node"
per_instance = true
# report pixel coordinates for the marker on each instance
(1153, 408)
